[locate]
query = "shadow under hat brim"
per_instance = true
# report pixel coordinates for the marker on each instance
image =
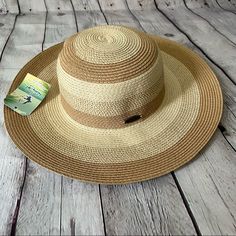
(208, 116)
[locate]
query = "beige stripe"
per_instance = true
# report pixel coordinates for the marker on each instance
(101, 45)
(113, 121)
(113, 108)
(110, 92)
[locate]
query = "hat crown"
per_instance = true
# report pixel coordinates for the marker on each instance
(110, 76)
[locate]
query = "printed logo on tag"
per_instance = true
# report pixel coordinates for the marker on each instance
(29, 94)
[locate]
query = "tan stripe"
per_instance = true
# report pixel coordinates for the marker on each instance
(115, 121)
(110, 92)
(115, 72)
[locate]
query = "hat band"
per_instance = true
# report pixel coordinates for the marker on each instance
(111, 122)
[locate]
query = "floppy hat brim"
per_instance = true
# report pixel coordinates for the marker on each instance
(205, 122)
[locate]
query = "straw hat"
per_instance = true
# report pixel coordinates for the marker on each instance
(124, 106)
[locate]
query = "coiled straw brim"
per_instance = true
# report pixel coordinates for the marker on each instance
(173, 135)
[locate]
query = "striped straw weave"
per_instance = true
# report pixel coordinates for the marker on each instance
(101, 79)
(109, 74)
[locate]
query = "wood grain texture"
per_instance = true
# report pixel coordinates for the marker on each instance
(111, 5)
(59, 6)
(141, 5)
(223, 21)
(6, 26)
(150, 208)
(25, 41)
(81, 209)
(39, 200)
(60, 22)
(39, 212)
(204, 4)
(32, 6)
(114, 14)
(147, 208)
(3, 7)
(12, 164)
(154, 21)
(86, 5)
(209, 185)
(81, 212)
(203, 34)
(227, 5)
(8, 6)
(88, 14)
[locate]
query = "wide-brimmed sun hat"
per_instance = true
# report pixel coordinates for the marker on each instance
(124, 106)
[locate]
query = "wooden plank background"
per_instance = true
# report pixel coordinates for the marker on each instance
(198, 199)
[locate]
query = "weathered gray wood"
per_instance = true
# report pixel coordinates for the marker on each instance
(8, 6)
(207, 4)
(60, 22)
(3, 7)
(59, 6)
(86, 5)
(117, 12)
(209, 184)
(140, 208)
(111, 5)
(153, 22)
(35, 185)
(25, 41)
(32, 6)
(203, 34)
(88, 14)
(40, 205)
(156, 22)
(223, 21)
(149, 208)
(6, 26)
(169, 4)
(12, 164)
(141, 5)
(39, 211)
(81, 211)
(227, 5)
(228, 120)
